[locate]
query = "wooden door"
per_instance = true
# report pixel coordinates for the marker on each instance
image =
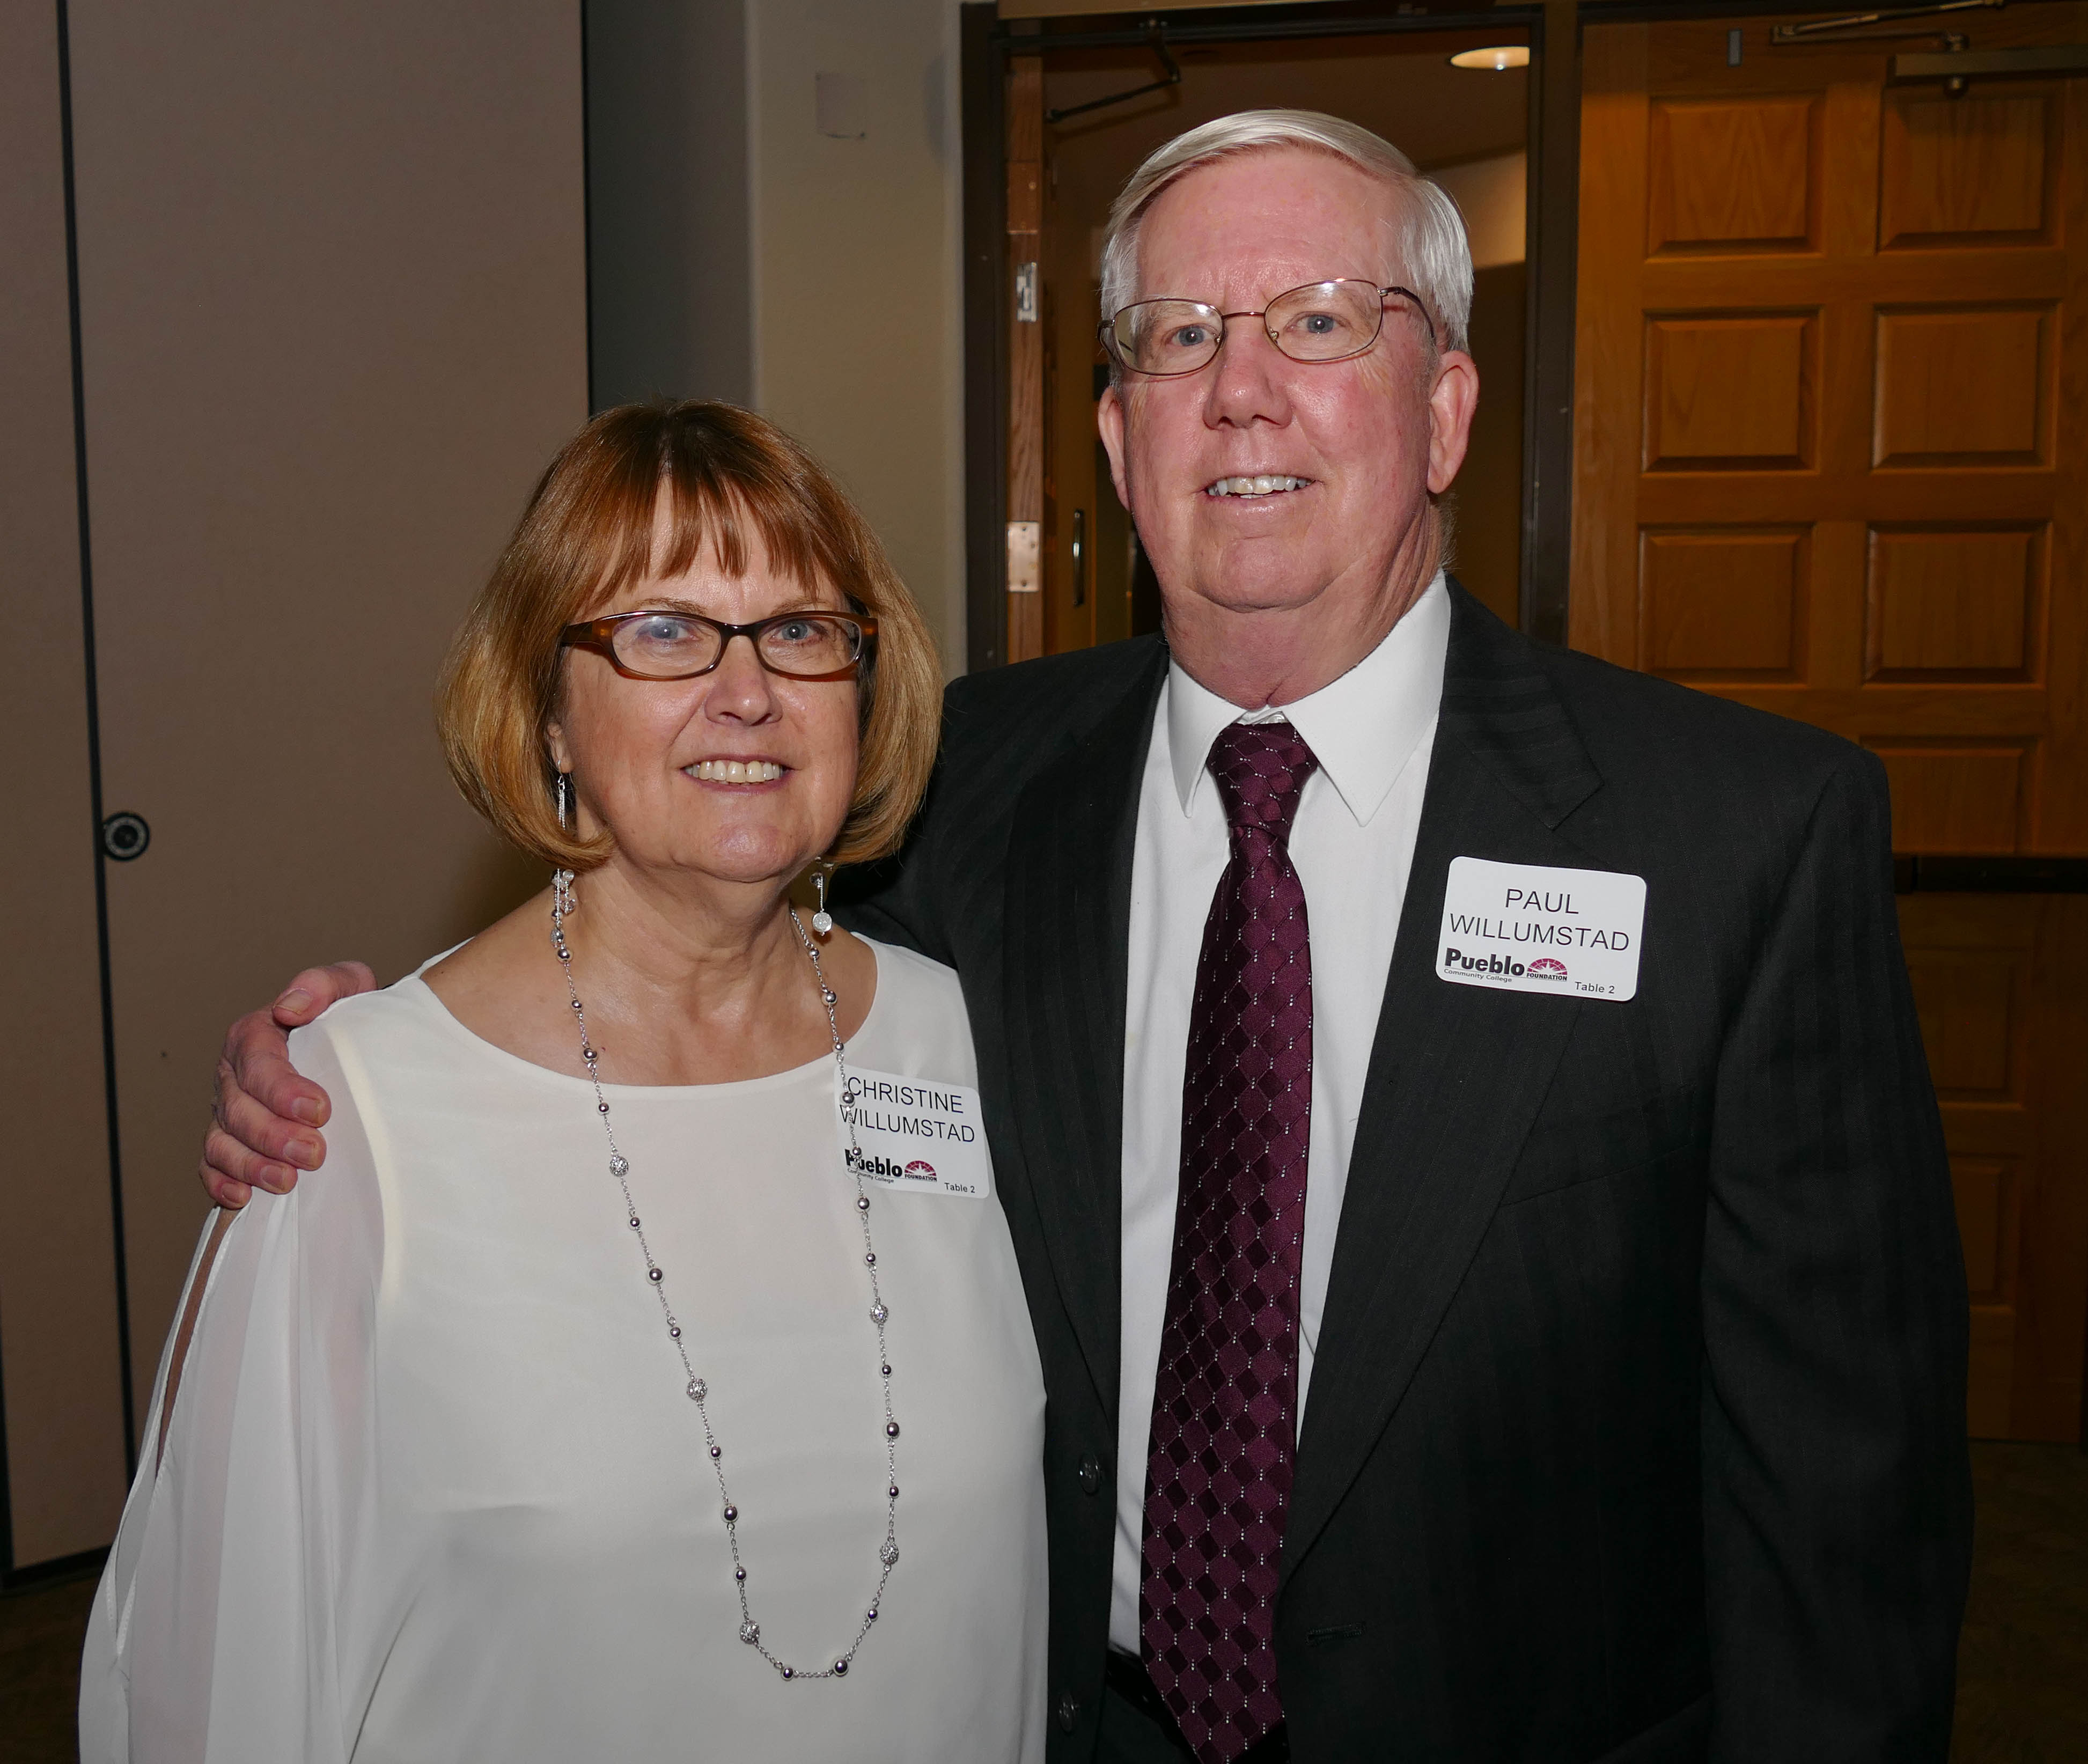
(1831, 459)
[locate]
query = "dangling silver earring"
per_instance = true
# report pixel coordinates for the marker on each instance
(822, 921)
(562, 880)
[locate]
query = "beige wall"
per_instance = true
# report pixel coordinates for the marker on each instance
(739, 252)
(59, 1343)
(333, 291)
(333, 312)
(857, 326)
(334, 308)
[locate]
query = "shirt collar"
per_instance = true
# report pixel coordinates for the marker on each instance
(1363, 727)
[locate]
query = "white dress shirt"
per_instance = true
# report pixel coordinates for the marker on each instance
(1352, 843)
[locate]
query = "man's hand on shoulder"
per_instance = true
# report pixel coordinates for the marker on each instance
(266, 1118)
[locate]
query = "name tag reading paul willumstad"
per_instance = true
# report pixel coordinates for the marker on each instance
(917, 1136)
(1527, 928)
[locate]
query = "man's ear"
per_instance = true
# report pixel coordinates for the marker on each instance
(1452, 401)
(1109, 422)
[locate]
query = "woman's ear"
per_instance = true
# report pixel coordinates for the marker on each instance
(554, 741)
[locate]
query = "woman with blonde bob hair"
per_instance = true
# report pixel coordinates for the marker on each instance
(652, 1375)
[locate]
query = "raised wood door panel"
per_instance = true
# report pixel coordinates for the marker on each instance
(1831, 460)
(1727, 176)
(1997, 981)
(1831, 405)
(1958, 174)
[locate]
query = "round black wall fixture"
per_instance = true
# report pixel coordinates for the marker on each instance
(125, 836)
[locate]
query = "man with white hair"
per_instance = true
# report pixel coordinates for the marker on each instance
(1459, 1106)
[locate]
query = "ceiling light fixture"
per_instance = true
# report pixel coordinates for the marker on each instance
(1496, 60)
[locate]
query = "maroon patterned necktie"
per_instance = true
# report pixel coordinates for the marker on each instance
(1225, 1406)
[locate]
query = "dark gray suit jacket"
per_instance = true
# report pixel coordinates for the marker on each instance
(1637, 1425)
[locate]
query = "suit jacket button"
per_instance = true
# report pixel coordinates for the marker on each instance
(1090, 1473)
(1069, 1712)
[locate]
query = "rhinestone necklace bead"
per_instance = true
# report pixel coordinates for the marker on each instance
(697, 1390)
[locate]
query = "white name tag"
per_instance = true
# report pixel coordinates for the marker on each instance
(1527, 928)
(916, 1136)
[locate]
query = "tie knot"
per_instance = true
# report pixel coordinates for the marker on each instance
(1260, 770)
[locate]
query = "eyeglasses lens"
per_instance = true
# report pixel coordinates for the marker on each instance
(669, 646)
(811, 645)
(666, 646)
(1167, 337)
(1325, 322)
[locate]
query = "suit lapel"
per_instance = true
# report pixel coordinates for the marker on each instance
(1457, 1072)
(1065, 942)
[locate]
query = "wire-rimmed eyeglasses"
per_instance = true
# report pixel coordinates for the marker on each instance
(666, 643)
(1327, 321)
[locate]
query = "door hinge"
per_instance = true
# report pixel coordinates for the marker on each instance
(1026, 548)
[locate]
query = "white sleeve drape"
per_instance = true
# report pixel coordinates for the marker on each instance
(215, 1634)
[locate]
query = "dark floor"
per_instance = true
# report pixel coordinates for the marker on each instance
(2022, 1664)
(39, 1636)
(2022, 1686)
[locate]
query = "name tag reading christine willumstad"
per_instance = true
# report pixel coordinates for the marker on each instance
(1528, 928)
(917, 1136)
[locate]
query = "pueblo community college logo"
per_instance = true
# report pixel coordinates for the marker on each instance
(887, 1169)
(1544, 968)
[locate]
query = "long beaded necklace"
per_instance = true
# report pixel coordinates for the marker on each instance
(697, 1390)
